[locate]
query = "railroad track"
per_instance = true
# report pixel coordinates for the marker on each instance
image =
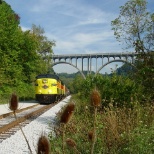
(9, 125)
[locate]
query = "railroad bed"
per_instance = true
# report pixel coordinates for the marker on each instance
(16, 144)
(5, 107)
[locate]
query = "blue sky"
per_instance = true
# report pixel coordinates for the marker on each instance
(77, 26)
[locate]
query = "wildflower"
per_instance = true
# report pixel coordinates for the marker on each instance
(43, 145)
(95, 98)
(86, 107)
(67, 113)
(13, 104)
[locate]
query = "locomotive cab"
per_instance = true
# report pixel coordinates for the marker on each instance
(46, 88)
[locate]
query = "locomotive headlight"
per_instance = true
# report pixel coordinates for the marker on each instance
(44, 81)
(49, 92)
(40, 91)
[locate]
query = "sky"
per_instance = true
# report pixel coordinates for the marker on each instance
(77, 26)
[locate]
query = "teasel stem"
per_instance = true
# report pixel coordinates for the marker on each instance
(13, 105)
(76, 150)
(94, 131)
(63, 138)
(95, 102)
(65, 118)
(23, 133)
(71, 143)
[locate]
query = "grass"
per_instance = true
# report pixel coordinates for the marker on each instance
(91, 128)
(4, 99)
(118, 130)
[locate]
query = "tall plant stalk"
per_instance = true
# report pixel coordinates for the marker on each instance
(63, 138)
(13, 105)
(95, 102)
(65, 118)
(94, 131)
(23, 133)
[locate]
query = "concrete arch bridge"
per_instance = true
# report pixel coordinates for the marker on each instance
(83, 62)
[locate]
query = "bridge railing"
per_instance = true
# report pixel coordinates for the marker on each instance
(95, 55)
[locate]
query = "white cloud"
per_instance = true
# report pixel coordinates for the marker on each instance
(77, 26)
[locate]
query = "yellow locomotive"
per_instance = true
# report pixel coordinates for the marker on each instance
(49, 88)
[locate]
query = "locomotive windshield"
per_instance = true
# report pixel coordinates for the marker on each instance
(54, 76)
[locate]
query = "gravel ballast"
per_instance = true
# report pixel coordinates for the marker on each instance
(16, 144)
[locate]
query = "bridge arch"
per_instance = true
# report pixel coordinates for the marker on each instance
(61, 62)
(116, 60)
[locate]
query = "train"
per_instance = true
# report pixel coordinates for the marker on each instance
(49, 89)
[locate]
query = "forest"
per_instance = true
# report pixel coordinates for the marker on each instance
(23, 54)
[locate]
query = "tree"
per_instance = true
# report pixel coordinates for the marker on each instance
(9, 37)
(135, 28)
(44, 45)
(20, 56)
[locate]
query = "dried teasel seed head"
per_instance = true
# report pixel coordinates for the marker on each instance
(13, 104)
(95, 98)
(43, 145)
(91, 135)
(67, 113)
(70, 142)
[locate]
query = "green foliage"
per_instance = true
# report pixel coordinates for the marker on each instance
(21, 54)
(77, 84)
(125, 70)
(23, 90)
(141, 141)
(145, 73)
(134, 26)
(44, 46)
(72, 81)
(119, 130)
(9, 33)
(117, 89)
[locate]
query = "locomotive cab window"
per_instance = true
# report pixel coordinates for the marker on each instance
(54, 84)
